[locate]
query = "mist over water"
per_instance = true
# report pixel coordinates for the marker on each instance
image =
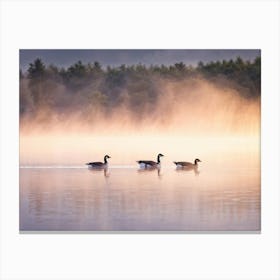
(190, 119)
(72, 116)
(193, 118)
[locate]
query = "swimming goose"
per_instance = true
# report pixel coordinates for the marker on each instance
(150, 163)
(184, 164)
(99, 164)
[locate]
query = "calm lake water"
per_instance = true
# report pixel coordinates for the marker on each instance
(127, 199)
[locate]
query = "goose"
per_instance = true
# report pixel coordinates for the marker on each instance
(150, 163)
(189, 165)
(99, 164)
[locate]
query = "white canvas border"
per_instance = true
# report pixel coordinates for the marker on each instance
(124, 24)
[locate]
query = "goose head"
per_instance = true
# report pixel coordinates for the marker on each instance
(197, 160)
(158, 158)
(105, 159)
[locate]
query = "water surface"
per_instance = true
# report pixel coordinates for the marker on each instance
(128, 199)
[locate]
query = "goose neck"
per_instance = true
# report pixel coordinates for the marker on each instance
(158, 159)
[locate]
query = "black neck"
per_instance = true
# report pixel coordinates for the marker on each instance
(105, 159)
(158, 159)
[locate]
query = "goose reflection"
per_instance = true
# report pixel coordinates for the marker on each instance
(150, 170)
(188, 169)
(100, 169)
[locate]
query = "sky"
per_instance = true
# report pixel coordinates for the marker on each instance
(67, 57)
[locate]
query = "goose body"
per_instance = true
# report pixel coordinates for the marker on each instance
(99, 164)
(150, 163)
(185, 164)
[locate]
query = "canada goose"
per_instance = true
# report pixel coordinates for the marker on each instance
(150, 163)
(99, 164)
(188, 165)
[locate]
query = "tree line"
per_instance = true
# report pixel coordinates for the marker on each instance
(90, 86)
